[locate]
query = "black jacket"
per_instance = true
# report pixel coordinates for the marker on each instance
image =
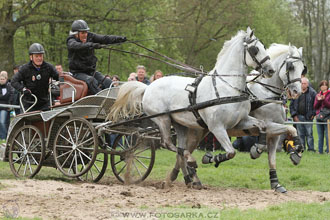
(310, 111)
(28, 75)
(6, 98)
(81, 56)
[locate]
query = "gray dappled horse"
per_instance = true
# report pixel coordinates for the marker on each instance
(227, 79)
(289, 66)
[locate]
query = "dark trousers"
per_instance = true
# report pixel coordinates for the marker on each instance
(95, 82)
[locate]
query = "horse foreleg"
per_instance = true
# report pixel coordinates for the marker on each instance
(221, 135)
(274, 183)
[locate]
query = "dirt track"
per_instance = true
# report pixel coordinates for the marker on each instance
(61, 200)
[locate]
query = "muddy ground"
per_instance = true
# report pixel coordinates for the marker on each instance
(51, 199)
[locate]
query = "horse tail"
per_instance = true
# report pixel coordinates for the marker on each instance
(128, 102)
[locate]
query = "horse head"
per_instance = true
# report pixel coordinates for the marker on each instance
(255, 54)
(290, 72)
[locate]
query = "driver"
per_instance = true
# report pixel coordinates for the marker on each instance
(82, 60)
(33, 78)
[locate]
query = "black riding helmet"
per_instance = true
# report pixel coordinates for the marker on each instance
(36, 48)
(79, 25)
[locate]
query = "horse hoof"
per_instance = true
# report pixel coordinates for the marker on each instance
(280, 189)
(197, 185)
(207, 158)
(295, 158)
(174, 174)
(255, 152)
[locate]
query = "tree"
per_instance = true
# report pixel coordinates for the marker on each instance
(315, 16)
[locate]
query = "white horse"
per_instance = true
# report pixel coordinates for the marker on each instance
(227, 79)
(289, 66)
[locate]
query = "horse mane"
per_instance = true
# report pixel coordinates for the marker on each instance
(275, 50)
(228, 43)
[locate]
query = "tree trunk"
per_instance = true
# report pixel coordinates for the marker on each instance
(7, 51)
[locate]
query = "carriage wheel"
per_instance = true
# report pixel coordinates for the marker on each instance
(75, 147)
(132, 166)
(26, 152)
(96, 172)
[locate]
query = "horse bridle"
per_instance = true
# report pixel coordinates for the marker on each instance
(289, 67)
(253, 51)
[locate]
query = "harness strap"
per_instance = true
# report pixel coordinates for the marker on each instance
(192, 89)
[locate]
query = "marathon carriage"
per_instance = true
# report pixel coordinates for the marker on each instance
(73, 138)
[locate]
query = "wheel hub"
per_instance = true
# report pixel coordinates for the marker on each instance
(74, 146)
(25, 152)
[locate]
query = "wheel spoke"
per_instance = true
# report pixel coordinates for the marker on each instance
(65, 159)
(19, 144)
(141, 163)
(137, 169)
(20, 164)
(31, 141)
(82, 161)
(64, 146)
(84, 154)
(91, 138)
(76, 162)
(23, 139)
(121, 170)
(25, 167)
(87, 132)
(67, 129)
(143, 157)
(80, 129)
(35, 145)
(136, 153)
(34, 159)
(66, 139)
(29, 164)
(75, 130)
(97, 168)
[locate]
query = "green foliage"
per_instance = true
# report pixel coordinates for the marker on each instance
(184, 30)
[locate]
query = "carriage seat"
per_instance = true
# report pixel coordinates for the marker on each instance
(66, 90)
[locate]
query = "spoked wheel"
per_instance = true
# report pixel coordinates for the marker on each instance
(75, 147)
(26, 152)
(134, 165)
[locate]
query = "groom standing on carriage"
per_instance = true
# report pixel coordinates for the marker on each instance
(82, 60)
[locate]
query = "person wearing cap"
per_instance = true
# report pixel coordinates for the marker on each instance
(34, 77)
(82, 60)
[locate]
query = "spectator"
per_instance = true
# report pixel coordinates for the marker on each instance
(82, 61)
(158, 74)
(59, 68)
(115, 80)
(132, 77)
(141, 75)
(16, 94)
(322, 100)
(302, 110)
(244, 143)
(33, 78)
(6, 97)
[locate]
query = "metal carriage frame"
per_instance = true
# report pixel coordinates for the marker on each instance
(71, 139)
